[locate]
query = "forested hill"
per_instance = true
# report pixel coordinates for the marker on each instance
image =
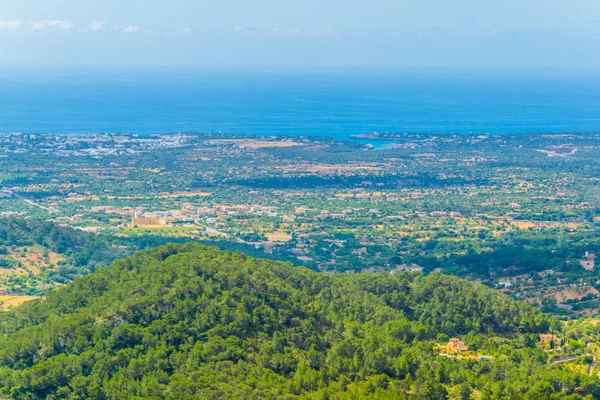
(64, 253)
(188, 322)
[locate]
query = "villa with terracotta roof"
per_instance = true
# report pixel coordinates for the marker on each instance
(456, 345)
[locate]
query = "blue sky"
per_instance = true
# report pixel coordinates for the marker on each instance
(301, 33)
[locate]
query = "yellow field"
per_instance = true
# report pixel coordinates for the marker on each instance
(280, 237)
(523, 224)
(10, 271)
(14, 301)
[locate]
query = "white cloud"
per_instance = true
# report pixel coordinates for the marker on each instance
(11, 25)
(51, 24)
(43, 25)
(130, 29)
(55, 25)
(486, 34)
(283, 32)
(324, 33)
(96, 26)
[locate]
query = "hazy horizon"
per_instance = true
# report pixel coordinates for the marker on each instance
(301, 34)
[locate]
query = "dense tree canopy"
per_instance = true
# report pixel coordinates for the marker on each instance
(189, 321)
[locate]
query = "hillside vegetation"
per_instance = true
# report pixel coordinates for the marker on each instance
(36, 256)
(189, 321)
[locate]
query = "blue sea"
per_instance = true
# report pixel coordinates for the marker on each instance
(337, 104)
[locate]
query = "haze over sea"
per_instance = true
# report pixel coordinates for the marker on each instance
(298, 103)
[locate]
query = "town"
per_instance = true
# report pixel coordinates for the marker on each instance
(515, 212)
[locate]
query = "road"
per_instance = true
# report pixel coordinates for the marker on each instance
(30, 202)
(563, 359)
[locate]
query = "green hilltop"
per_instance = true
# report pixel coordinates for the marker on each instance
(189, 321)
